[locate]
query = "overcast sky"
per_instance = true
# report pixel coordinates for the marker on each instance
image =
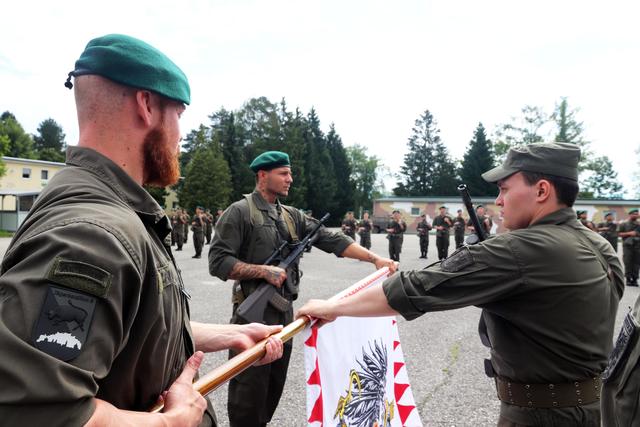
(370, 67)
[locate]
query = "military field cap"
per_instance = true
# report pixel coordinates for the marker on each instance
(396, 211)
(557, 158)
(442, 207)
(269, 160)
(632, 211)
(132, 62)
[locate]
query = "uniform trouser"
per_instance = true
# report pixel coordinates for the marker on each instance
(208, 235)
(255, 393)
(198, 242)
(179, 240)
(459, 239)
(631, 259)
(580, 416)
(365, 240)
(424, 245)
(614, 243)
(442, 243)
(173, 237)
(186, 235)
(395, 247)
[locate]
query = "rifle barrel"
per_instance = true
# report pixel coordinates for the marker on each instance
(466, 199)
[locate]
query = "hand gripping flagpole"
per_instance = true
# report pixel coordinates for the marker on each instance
(234, 366)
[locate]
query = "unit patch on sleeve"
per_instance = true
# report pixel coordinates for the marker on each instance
(458, 260)
(64, 321)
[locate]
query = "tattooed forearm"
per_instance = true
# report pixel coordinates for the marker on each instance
(243, 271)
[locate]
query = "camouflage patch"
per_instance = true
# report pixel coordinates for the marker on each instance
(81, 276)
(63, 324)
(458, 260)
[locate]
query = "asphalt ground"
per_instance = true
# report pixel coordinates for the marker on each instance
(442, 350)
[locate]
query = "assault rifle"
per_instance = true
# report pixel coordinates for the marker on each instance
(479, 235)
(253, 307)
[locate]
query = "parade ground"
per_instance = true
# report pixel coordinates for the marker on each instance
(442, 350)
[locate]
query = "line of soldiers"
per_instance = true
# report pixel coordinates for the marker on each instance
(363, 227)
(201, 225)
(628, 231)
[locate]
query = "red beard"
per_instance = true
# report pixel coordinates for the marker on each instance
(161, 166)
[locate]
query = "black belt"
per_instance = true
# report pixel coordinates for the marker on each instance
(549, 395)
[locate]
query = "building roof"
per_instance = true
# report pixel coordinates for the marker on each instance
(19, 193)
(491, 200)
(32, 161)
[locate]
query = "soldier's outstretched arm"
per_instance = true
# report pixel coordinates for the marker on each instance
(358, 252)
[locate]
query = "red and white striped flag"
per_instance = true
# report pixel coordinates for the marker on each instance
(356, 375)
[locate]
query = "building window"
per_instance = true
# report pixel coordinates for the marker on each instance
(44, 174)
(26, 172)
(415, 211)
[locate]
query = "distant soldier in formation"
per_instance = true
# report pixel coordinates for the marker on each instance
(395, 234)
(181, 222)
(423, 228)
(187, 221)
(349, 225)
(629, 231)
(458, 229)
(485, 221)
(208, 230)
(609, 230)
(217, 217)
(174, 224)
(364, 230)
(198, 224)
(442, 223)
(582, 217)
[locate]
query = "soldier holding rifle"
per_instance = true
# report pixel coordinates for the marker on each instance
(442, 223)
(245, 236)
(546, 357)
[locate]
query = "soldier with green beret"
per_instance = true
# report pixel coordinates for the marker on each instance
(422, 229)
(246, 234)
(349, 225)
(549, 292)
(198, 225)
(395, 233)
(629, 231)
(94, 316)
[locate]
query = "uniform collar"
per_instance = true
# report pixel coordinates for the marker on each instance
(263, 205)
(115, 177)
(561, 216)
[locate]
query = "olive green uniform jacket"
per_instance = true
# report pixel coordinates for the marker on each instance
(94, 235)
(549, 295)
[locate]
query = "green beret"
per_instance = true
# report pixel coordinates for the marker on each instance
(558, 159)
(132, 62)
(581, 212)
(632, 211)
(269, 160)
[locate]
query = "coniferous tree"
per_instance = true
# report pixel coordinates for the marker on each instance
(20, 142)
(528, 128)
(207, 180)
(478, 159)
(49, 144)
(343, 200)
(428, 169)
(320, 175)
(601, 181)
(293, 128)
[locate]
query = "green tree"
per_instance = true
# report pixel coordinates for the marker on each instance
(319, 171)
(20, 142)
(4, 146)
(343, 200)
(49, 144)
(364, 175)
(525, 129)
(207, 180)
(428, 168)
(478, 159)
(293, 128)
(601, 181)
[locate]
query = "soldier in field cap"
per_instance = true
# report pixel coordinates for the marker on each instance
(549, 292)
(246, 234)
(94, 317)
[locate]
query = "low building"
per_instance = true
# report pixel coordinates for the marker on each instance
(19, 187)
(411, 208)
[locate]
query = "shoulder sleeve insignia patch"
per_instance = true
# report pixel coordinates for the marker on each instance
(64, 322)
(458, 260)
